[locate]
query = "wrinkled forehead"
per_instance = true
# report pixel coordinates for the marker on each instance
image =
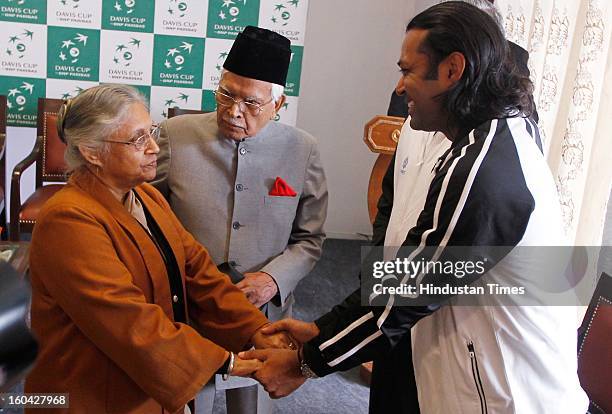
(243, 86)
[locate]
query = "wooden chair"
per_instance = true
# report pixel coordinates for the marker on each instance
(176, 111)
(595, 348)
(48, 153)
(381, 135)
(3, 229)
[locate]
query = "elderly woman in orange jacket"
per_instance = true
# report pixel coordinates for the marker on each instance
(131, 314)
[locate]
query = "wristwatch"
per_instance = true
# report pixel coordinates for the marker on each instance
(306, 371)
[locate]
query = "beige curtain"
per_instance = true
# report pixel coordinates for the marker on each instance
(571, 66)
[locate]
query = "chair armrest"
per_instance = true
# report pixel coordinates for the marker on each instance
(16, 181)
(2, 162)
(382, 133)
(2, 145)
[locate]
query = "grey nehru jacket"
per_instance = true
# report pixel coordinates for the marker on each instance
(219, 189)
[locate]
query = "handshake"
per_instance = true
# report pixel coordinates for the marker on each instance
(276, 361)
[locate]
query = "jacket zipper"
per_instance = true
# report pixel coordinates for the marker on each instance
(477, 380)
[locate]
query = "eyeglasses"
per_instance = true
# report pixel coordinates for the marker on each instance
(253, 108)
(141, 141)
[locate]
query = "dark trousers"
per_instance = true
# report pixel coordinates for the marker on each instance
(393, 388)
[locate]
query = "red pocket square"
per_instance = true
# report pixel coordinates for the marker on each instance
(282, 189)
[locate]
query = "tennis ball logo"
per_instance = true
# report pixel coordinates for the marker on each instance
(285, 107)
(70, 3)
(70, 95)
(17, 98)
(127, 5)
(232, 8)
(71, 48)
(177, 8)
(175, 57)
(124, 54)
(282, 12)
(172, 102)
(18, 44)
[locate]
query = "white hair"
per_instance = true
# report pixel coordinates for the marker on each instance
(277, 90)
(92, 117)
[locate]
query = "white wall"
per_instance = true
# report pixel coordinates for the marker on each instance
(349, 70)
(348, 73)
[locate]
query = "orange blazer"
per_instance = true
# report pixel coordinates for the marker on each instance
(102, 312)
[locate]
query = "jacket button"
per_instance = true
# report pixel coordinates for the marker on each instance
(239, 187)
(235, 225)
(174, 298)
(242, 151)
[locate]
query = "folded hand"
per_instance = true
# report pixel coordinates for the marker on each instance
(300, 331)
(280, 339)
(280, 373)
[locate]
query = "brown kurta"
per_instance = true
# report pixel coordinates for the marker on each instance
(102, 307)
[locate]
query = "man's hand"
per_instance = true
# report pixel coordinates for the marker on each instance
(299, 330)
(259, 287)
(280, 340)
(280, 374)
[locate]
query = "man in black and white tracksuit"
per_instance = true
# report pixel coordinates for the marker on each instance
(491, 187)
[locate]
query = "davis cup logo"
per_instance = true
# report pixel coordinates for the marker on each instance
(17, 98)
(126, 5)
(220, 61)
(172, 102)
(175, 57)
(230, 10)
(70, 3)
(284, 107)
(70, 50)
(282, 12)
(18, 44)
(125, 54)
(177, 8)
(17, 2)
(70, 95)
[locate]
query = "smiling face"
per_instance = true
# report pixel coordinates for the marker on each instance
(124, 167)
(425, 106)
(236, 124)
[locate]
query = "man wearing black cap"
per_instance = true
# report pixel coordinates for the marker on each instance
(250, 190)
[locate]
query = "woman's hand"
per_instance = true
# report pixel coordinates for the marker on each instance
(245, 367)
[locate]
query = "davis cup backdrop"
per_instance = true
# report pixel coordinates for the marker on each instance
(171, 50)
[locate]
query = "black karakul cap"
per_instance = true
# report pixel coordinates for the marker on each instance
(260, 54)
